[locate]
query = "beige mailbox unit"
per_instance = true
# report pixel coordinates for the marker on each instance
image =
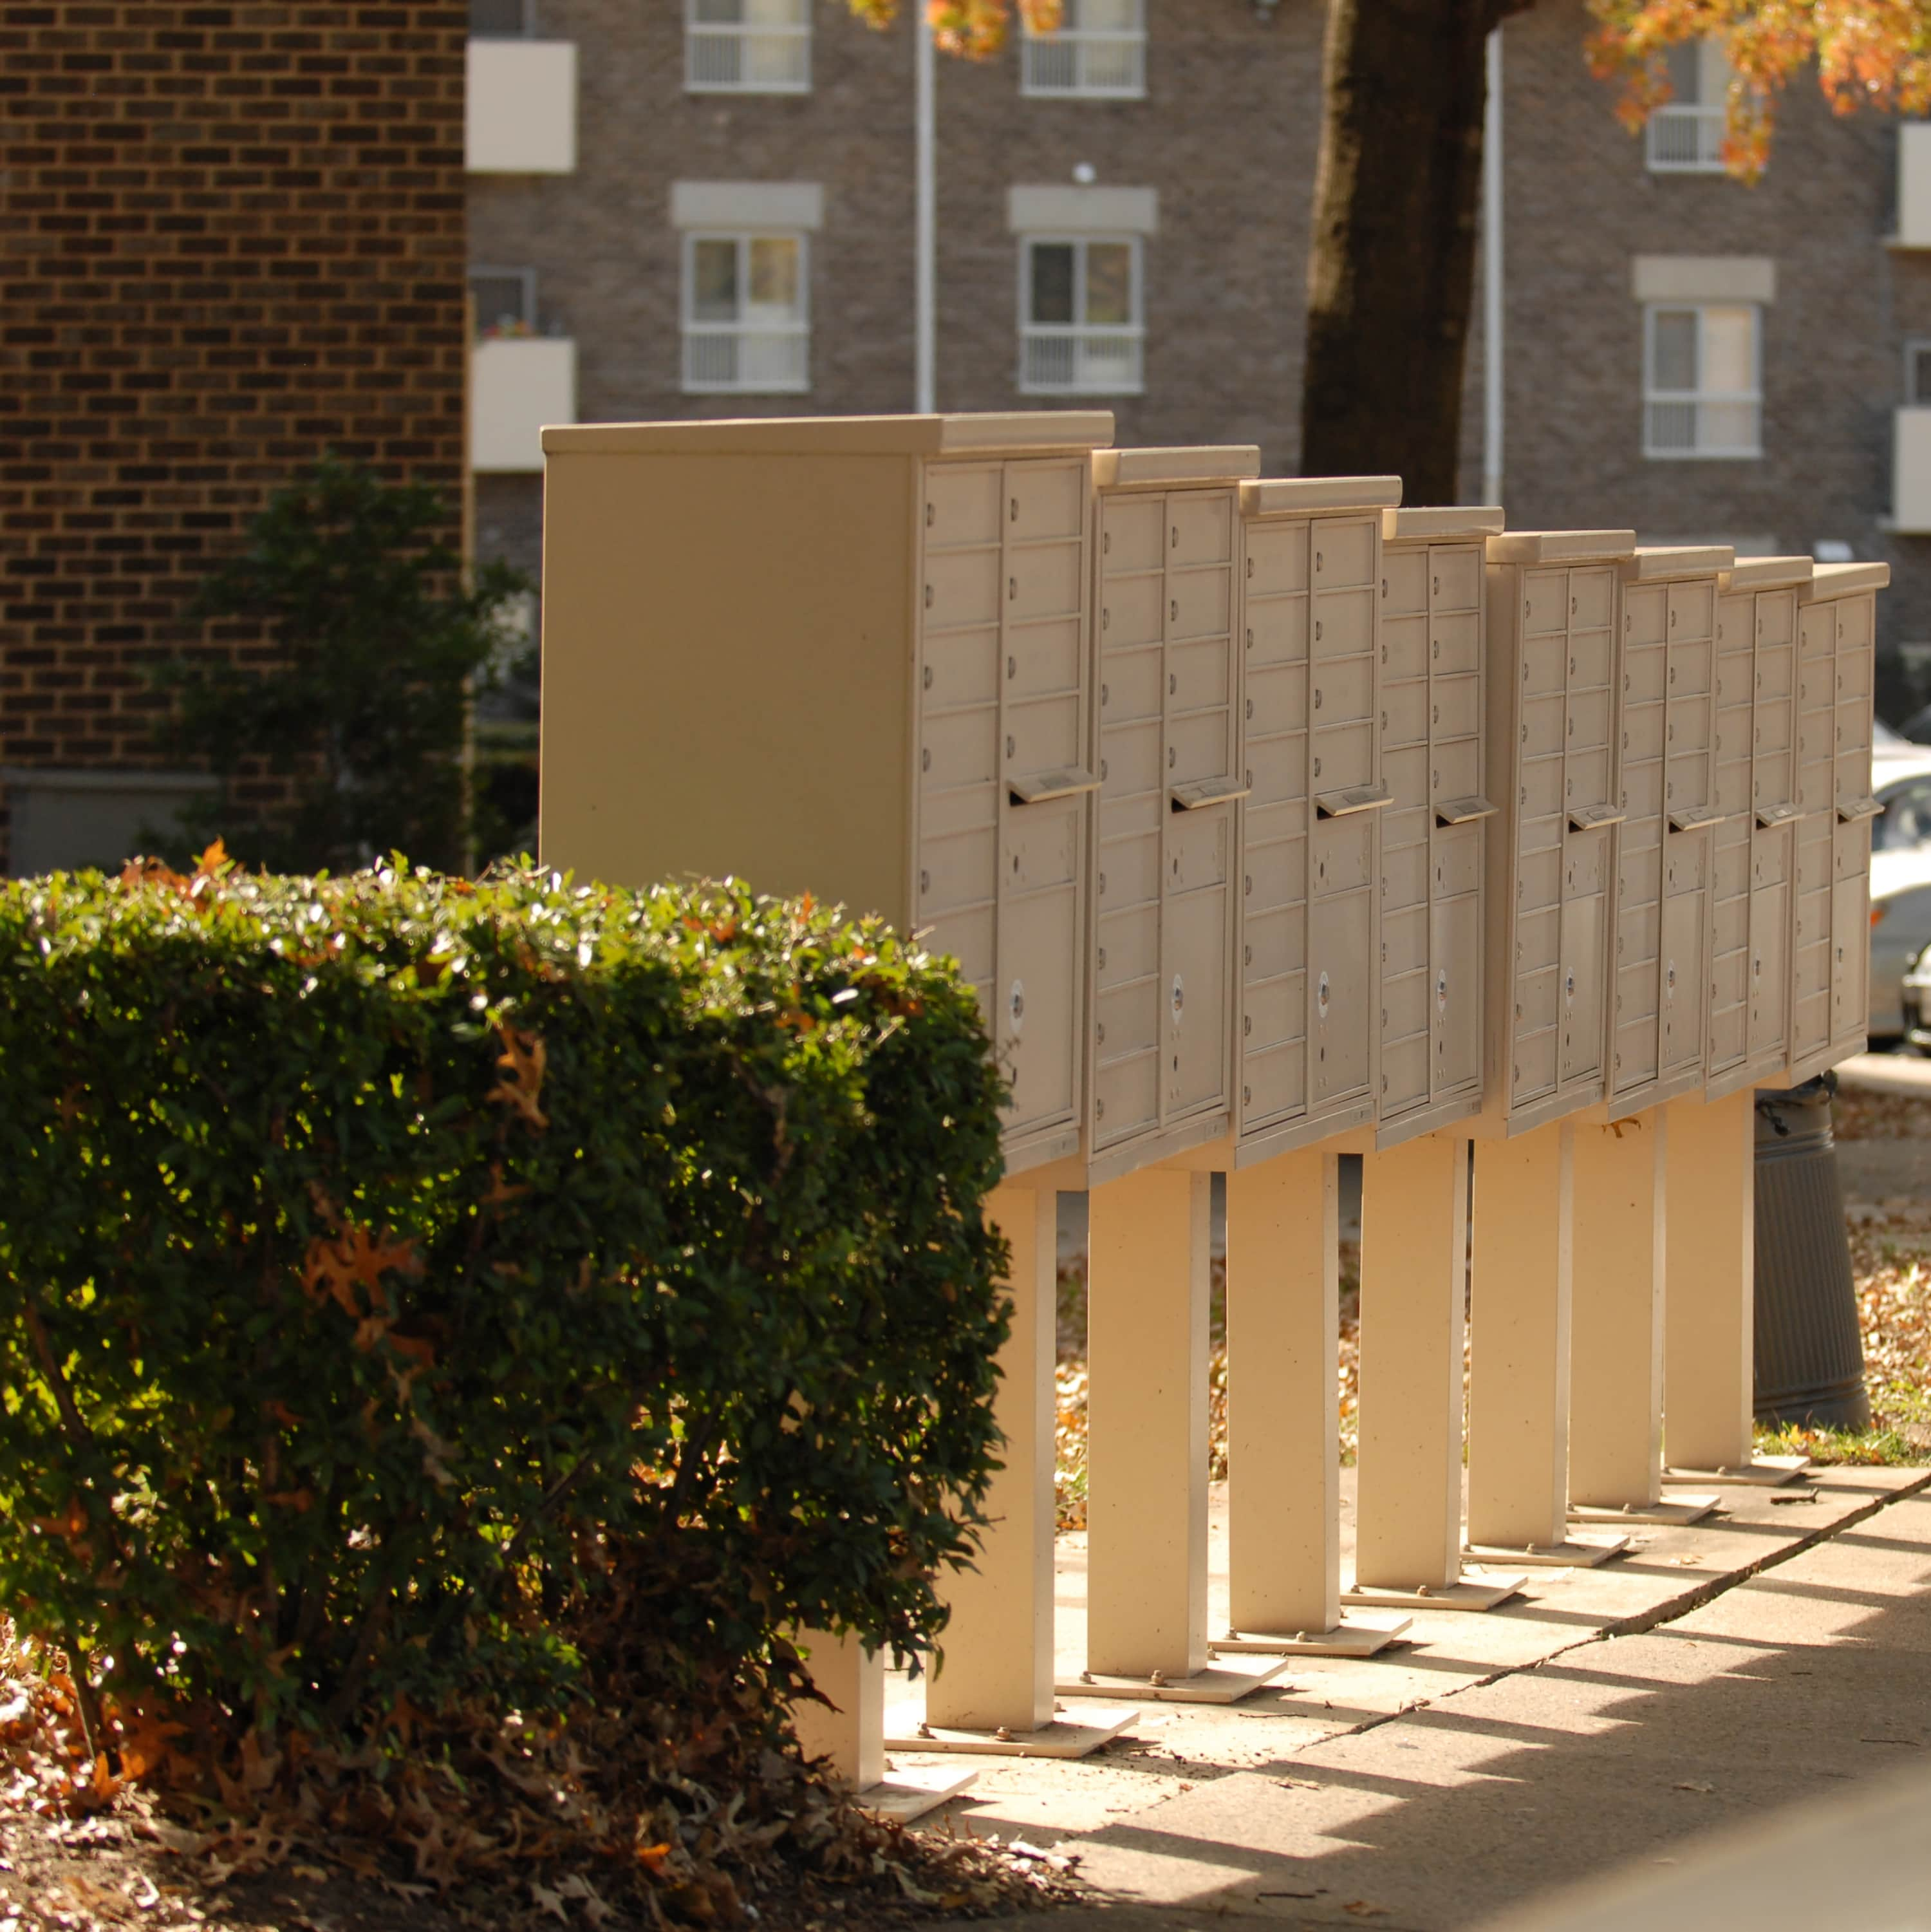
(1753, 865)
(1431, 658)
(1660, 915)
(846, 656)
(1553, 768)
(1308, 912)
(1166, 842)
(1837, 634)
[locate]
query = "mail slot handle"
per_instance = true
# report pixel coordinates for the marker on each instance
(1592, 817)
(1855, 811)
(1356, 798)
(1777, 814)
(1694, 818)
(1045, 785)
(1463, 811)
(1207, 791)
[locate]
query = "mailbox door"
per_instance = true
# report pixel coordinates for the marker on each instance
(1344, 754)
(1689, 862)
(1405, 891)
(1814, 723)
(1728, 1018)
(1456, 706)
(1638, 918)
(1041, 670)
(1271, 959)
(1591, 763)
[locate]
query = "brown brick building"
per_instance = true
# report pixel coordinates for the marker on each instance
(729, 230)
(234, 238)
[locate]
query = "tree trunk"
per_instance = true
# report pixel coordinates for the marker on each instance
(1391, 272)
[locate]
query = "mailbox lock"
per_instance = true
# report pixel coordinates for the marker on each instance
(1250, 637)
(1173, 683)
(1569, 989)
(1441, 990)
(1099, 1032)
(931, 511)
(1179, 1000)
(1102, 958)
(1011, 589)
(1321, 1001)
(925, 759)
(1011, 746)
(1173, 538)
(1105, 694)
(1669, 977)
(1012, 514)
(1317, 559)
(1317, 630)
(1012, 667)
(928, 597)
(1016, 1003)
(1173, 753)
(928, 677)
(1317, 697)
(1173, 610)
(1248, 886)
(1250, 707)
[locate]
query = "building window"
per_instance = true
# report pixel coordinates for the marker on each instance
(746, 327)
(747, 47)
(1098, 52)
(506, 300)
(502, 20)
(1702, 387)
(1686, 133)
(1080, 329)
(1918, 373)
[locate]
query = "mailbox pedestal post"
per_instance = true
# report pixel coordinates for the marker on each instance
(1615, 1440)
(1415, 1245)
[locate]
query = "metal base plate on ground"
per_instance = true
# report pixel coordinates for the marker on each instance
(1096, 1724)
(1353, 1637)
(1771, 1470)
(906, 1795)
(1572, 1553)
(1218, 1683)
(1677, 1510)
(1469, 1593)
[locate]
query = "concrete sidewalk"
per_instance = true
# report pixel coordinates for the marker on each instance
(1780, 1650)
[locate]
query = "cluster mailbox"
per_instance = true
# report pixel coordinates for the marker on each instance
(1554, 768)
(847, 656)
(1433, 600)
(1752, 864)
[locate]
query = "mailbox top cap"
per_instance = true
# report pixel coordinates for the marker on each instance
(1561, 546)
(1839, 580)
(1291, 496)
(1658, 563)
(1121, 469)
(1768, 573)
(1439, 521)
(840, 436)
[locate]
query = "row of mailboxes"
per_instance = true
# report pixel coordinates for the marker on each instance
(1257, 811)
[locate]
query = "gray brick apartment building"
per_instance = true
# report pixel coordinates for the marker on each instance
(721, 221)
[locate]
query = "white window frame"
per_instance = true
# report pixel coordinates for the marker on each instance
(1079, 41)
(698, 35)
(1702, 120)
(1653, 395)
(694, 331)
(1082, 333)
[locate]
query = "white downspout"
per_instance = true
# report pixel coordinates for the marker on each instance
(925, 269)
(1492, 276)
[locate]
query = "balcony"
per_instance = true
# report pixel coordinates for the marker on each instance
(517, 385)
(1911, 470)
(1913, 185)
(522, 107)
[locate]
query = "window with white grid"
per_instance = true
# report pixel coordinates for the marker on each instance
(746, 327)
(1702, 380)
(1686, 133)
(1098, 52)
(747, 47)
(1079, 315)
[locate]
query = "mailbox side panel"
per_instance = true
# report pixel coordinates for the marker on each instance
(1728, 994)
(726, 657)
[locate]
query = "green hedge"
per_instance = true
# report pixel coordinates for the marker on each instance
(379, 1252)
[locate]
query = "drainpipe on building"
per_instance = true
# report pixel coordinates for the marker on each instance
(1492, 276)
(925, 268)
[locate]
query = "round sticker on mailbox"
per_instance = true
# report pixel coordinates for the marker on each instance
(1569, 989)
(1179, 998)
(1017, 1004)
(1441, 990)
(1321, 1001)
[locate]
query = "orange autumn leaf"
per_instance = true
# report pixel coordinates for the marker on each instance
(520, 1080)
(334, 1270)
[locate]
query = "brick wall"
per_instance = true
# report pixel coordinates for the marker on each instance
(234, 236)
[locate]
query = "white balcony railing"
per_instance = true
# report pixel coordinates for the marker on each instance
(521, 116)
(1911, 470)
(1685, 140)
(729, 58)
(517, 385)
(1705, 425)
(1107, 66)
(1060, 359)
(773, 360)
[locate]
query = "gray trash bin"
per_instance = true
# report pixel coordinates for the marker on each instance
(1809, 1352)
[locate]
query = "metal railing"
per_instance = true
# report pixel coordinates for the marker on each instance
(1065, 359)
(738, 58)
(1684, 138)
(1109, 64)
(765, 361)
(1708, 424)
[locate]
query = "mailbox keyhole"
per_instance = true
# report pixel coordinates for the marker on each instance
(1016, 1004)
(1179, 997)
(1320, 1001)
(1569, 989)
